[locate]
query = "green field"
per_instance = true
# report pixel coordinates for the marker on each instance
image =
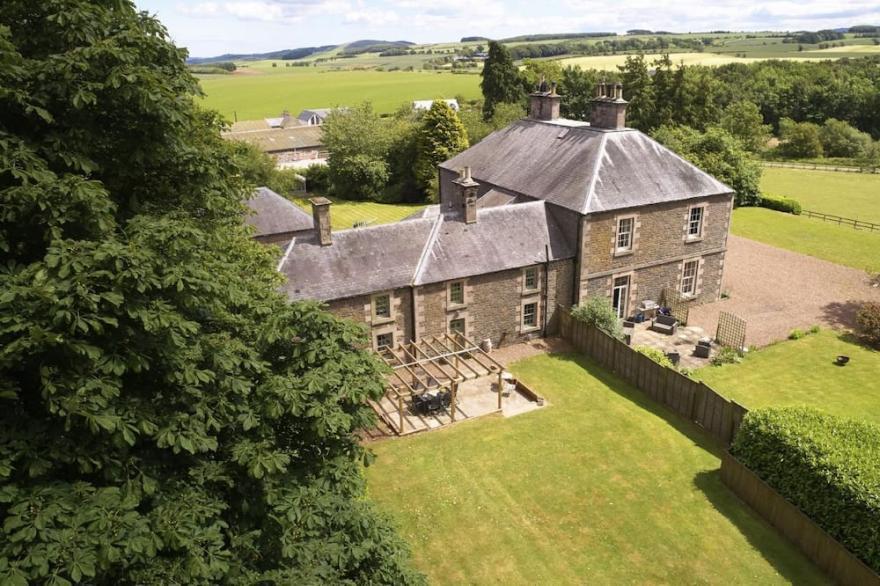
(851, 195)
(612, 62)
(838, 244)
(345, 213)
(252, 96)
(802, 372)
(600, 487)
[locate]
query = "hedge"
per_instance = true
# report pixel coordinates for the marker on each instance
(780, 204)
(827, 466)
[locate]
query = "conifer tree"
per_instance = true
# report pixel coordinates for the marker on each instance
(441, 136)
(501, 82)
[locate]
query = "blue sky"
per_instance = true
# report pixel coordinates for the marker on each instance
(212, 27)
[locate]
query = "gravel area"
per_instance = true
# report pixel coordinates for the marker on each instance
(777, 290)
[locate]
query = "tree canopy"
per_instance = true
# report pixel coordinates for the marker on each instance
(441, 137)
(166, 416)
(501, 81)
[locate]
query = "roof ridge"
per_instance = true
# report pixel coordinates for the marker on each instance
(429, 244)
(685, 161)
(286, 254)
(591, 188)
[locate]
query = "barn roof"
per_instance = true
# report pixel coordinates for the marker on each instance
(280, 139)
(582, 168)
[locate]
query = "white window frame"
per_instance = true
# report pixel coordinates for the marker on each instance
(537, 274)
(691, 280)
(700, 223)
(623, 308)
(449, 294)
(537, 325)
(375, 307)
(618, 249)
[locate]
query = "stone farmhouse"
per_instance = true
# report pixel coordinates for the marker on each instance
(537, 216)
(290, 141)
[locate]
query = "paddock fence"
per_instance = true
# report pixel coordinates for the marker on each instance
(841, 221)
(693, 400)
(826, 552)
(820, 167)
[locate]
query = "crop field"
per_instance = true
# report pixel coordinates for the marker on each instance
(851, 195)
(248, 96)
(611, 62)
(600, 487)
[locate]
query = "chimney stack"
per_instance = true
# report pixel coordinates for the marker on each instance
(544, 103)
(609, 107)
(321, 216)
(466, 191)
(285, 118)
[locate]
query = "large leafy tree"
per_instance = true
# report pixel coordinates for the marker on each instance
(441, 136)
(358, 141)
(719, 154)
(166, 417)
(501, 81)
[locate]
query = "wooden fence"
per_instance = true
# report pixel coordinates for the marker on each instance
(691, 399)
(820, 167)
(841, 221)
(825, 551)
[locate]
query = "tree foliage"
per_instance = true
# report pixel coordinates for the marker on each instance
(743, 120)
(799, 139)
(478, 129)
(441, 137)
(358, 141)
(598, 312)
(166, 416)
(501, 81)
(840, 139)
(719, 154)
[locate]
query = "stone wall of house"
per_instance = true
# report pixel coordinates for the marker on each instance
(660, 248)
(493, 304)
(360, 309)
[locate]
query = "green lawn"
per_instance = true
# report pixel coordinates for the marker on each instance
(345, 213)
(802, 372)
(599, 487)
(838, 244)
(851, 195)
(259, 95)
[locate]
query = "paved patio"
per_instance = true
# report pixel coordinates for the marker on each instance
(683, 341)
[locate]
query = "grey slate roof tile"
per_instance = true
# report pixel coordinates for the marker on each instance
(274, 214)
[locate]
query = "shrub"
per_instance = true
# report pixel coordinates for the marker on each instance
(839, 139)
(827, 466)
(800, 140)
(656, 355)
(796, 334)
(317, 178)
(781, 204)
(868, 320)
(597, 311)
(727, 355)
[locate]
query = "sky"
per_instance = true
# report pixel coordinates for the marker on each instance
(213, 27)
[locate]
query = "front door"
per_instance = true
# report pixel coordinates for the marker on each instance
(620, 296)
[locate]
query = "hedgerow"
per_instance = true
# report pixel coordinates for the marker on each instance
(780, 204)
(827, 466)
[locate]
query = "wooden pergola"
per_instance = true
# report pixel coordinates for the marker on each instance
(436, 363)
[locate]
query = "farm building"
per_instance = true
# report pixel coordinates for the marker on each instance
(291, 141)
(536, 217)
(426, 104)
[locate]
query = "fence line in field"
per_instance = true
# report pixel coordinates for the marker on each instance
(820, 167)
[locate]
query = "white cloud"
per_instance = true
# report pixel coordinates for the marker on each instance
(371, 17)
(269, 10)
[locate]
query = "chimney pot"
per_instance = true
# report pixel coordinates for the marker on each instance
(609, 107)
(321, 216)
(544, 105)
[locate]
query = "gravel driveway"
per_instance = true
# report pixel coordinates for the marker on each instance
(777, 290)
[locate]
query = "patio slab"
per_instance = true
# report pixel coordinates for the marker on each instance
(683, 341)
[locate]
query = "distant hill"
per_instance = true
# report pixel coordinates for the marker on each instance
(353, 48)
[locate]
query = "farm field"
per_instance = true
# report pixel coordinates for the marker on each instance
(253, 96)
(802, 372)
(851, 195)
(600, 486)
(345, 213)
(838, 244)
(611, 62)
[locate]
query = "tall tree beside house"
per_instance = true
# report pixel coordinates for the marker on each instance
(166, 417)
(577, 87)
(501, 81)
(358, 141)
(441, 137)
(718, 153)
(744, 121)
(638, 90)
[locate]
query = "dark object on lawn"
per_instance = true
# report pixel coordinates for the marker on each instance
(674, 357)
(842, 360)
(702, 350)
(665, 324)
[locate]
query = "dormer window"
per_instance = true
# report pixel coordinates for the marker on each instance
(625, 229)
(695, 223)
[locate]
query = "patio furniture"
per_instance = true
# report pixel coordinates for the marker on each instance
(629, 329)
(648, 308)
(665, 324)
(674, 358)
(702, 350)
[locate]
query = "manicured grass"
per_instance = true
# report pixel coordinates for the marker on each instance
(838, 244)
(600, 487)
(851, 195)
(253, 96)
(802, 372)
(345, 213)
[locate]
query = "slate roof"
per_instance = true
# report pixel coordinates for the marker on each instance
(274, 214)
(321, 113)
(280, 139)
(582, 168)
(421, 251)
